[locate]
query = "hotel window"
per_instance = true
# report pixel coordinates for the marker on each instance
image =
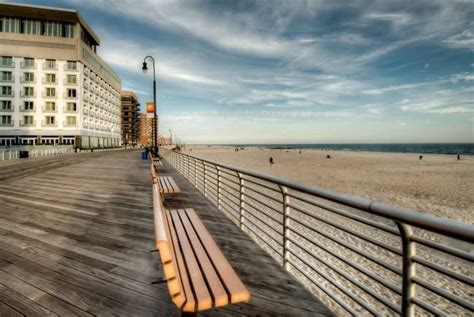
(28, 62)
(11, 25)
(28, 77)
(6, 76)
(50, 78)
(71, 120)
(28, 105)
(71, 65)
(5, 105)
(27, 120)
(50, 92)
(6, 120)
(71, 79)
(50, 106)
(49, 120)
(71, 93)
(6, 91)
(28, 91)
(50, 64)
(71, 106)
(31, 27)
(69, 30)
(6, 61)
(53, 29)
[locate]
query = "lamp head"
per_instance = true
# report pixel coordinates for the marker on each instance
(144, 68)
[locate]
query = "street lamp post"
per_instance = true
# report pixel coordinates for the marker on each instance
(155, 119)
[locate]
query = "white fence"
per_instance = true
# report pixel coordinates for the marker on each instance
(12, 154)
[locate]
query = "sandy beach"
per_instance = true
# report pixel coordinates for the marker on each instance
(438, 184)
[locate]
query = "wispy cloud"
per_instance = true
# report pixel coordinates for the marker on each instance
(463, 40)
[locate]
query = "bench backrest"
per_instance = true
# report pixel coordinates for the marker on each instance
(163, 243)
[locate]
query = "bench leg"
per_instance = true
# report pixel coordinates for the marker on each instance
(159, 281)
(183, 314)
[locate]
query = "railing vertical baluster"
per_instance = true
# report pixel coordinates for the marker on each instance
(218, 187)
(195, 172)
(241, 200)
(204, 167)
(408, 288)
(286, 210)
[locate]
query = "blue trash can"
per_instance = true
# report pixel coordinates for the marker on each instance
(144, 155)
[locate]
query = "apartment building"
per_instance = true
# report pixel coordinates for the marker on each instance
(54, 87)
(130, 118)
(146, 128)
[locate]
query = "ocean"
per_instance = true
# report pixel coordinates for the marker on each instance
(422, 148)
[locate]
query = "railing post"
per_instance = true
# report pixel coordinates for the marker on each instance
(195, 172)
(241, 200)
(286, 210)
(408, 288)
(204, 166)
(218, 187)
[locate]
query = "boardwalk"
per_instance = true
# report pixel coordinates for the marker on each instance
(75, 234)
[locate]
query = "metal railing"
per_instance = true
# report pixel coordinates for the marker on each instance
(358, 255)
(35, 151)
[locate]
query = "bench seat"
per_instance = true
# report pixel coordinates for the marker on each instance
(168, 185)
(198, 275)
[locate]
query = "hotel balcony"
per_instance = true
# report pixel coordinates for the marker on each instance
(66, 96)
(70, 69)
(24, 65)
(28, 110)
(47, 66)
(25, 95)
(46, 109)
(70, 125)
(65, 110)
(7, 64)
(23, 80)
(11, 94)
(27, 124)
(68, 83)
(50, 82)
(49, 96)
(49, 124)
(8, 80)
(7, 109)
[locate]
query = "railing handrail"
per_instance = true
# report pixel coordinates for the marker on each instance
(452, 228)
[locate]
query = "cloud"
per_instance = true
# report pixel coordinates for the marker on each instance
(381, 91)
(464, 40)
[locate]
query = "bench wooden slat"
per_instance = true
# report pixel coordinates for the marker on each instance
(237, 290)
(203, 298)
(174, 185)
(219, 294)
(187, 293)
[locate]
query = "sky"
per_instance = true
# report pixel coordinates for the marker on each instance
(295, 71)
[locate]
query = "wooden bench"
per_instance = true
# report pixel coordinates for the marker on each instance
(196, 271)
(167, 185)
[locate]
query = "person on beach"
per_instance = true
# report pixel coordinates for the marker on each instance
(459, 157)
(271, 161)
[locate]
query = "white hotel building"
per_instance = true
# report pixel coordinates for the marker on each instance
(54, 88)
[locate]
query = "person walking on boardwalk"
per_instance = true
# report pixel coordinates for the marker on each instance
(271, 161)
